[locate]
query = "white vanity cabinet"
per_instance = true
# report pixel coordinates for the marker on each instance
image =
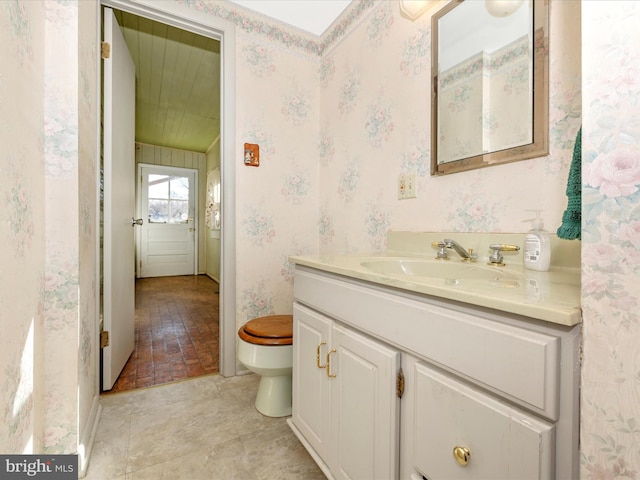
(487, 394)
(344, 398)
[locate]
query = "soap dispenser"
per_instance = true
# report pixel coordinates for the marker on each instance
(537, 245)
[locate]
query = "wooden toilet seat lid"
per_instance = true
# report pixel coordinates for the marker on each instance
(270, 330)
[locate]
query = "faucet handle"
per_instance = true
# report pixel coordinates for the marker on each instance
(496, 258)
(442, 250)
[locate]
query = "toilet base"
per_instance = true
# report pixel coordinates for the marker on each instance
(274, 396)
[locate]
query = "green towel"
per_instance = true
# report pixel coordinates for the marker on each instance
(572, 218)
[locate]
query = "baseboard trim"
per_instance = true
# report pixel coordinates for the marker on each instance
(213, 278)
(85, 446)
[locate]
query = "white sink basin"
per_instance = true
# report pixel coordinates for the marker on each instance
(444, 269)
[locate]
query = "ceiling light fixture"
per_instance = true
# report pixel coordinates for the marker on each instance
(412, 9)
(502, 8)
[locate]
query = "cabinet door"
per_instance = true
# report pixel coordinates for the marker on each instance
(311, 399)
(504, 443)
(365, 408)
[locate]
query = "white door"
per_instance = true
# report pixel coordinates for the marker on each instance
(168, 210)
(119, 202)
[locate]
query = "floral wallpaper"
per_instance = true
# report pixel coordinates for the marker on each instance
(21, 227)
(376, 118)
(61, 261)
(337, 127)
(611, 241)
(374, 124)
(277, 202)
(337, 118)
(48, 389)
(358, 166)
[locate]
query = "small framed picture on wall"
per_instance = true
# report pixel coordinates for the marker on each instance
(251, 155)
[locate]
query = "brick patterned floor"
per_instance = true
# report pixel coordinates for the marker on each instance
(177, 331)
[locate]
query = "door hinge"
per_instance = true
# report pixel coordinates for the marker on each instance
(400, 384)
(104, 338)
(105, 50)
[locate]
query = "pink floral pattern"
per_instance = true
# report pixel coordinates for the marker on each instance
(348, 181)
(349, 94)
(295, 105)
(378, 221)
(259, 59)
(379, 124)
(258, 135)
(380, 23)
(616, 173)
(326, 148)
(46, 394)
(326, 70)
(611, 241)
(610, 214)
(416, 52)
(21, 26)
(417, 160)
(259, 227)
(325, 228)
(629, 234)
(256, 301)
(18, 201)
(295, 187)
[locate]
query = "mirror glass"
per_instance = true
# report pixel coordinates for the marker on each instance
(490, 83)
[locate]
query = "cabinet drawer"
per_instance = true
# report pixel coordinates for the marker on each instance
(504, 442)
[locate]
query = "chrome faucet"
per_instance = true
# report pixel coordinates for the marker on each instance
(468, 256)
(449, 243)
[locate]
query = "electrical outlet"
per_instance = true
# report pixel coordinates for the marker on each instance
(407, 186)
(402, 185)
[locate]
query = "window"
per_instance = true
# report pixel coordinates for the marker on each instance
(212, 214)
(168, 199)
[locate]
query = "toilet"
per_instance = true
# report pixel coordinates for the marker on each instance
(265, 347)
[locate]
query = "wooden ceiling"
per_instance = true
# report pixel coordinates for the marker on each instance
(177, 84)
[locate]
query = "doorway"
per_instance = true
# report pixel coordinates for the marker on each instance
(167, 239)
(208, 28)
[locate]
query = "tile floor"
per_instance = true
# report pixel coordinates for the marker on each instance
(177, 331)
(205, 428)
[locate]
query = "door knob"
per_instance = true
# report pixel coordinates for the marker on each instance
(462, 455)
(135, 222)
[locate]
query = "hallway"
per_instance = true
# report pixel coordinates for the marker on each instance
(176, 331)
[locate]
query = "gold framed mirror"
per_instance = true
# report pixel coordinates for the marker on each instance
(490, 83)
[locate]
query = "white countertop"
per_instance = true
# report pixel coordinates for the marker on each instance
(552, 296)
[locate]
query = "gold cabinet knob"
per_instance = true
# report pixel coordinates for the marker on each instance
(462, 455)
